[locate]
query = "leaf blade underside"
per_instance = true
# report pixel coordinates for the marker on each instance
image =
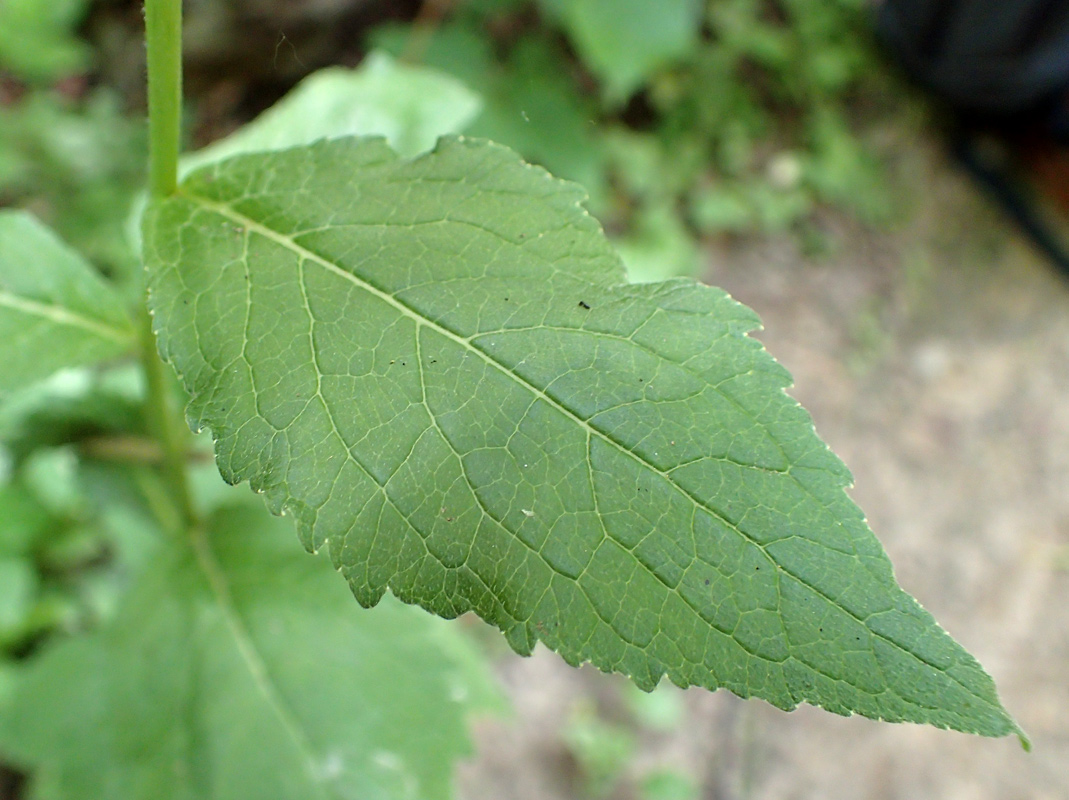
(436, 367)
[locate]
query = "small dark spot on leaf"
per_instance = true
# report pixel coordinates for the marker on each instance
(706, 581)
(506, 299)
(434, 360)
(583, 304)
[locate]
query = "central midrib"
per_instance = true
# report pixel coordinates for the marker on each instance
(254, 662)
(62, 316)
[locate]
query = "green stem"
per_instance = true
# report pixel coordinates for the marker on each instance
(163, 36)
(168, 428)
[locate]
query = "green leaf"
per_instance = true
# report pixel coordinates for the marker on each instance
(18, 588)
(84, 161)
(437, 367)
(25, 519)
(659, 247)
(410, 106)
(530, 99)
(239, 669)
(667, 784)
(37, 41)
(55, 311)
(625, 41)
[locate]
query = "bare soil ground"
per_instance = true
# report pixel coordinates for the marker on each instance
(935, 360)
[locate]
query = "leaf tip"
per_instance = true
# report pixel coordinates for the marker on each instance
(1022, 738)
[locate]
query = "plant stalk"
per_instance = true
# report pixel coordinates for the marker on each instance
(167, 426)
(163, 37)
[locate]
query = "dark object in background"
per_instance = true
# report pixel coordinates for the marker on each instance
(1003, 68)
(992, 58)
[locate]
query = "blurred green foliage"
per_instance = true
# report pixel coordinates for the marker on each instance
(669, 785)
(77, 162)
(38, 41)
(626, 42)
(63, 559)
(605, 749)
(683, 119)
(602, 750)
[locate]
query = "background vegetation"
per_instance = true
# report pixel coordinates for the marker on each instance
(690, 123)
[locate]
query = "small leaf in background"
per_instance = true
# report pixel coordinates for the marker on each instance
(658, 247)
(530, 102)
(410, 106)
(841, 170)
(625, 41)
(18, 588)
(239, 669)
(603, 751)
(24, 524)
(55, 311)
(659, 710)
(715, 209)
(534, 109)
(436, 366)
(666, 784)
(37, 39)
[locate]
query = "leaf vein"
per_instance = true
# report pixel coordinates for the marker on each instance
(286, 242)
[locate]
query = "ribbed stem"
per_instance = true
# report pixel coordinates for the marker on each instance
(163, 36)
